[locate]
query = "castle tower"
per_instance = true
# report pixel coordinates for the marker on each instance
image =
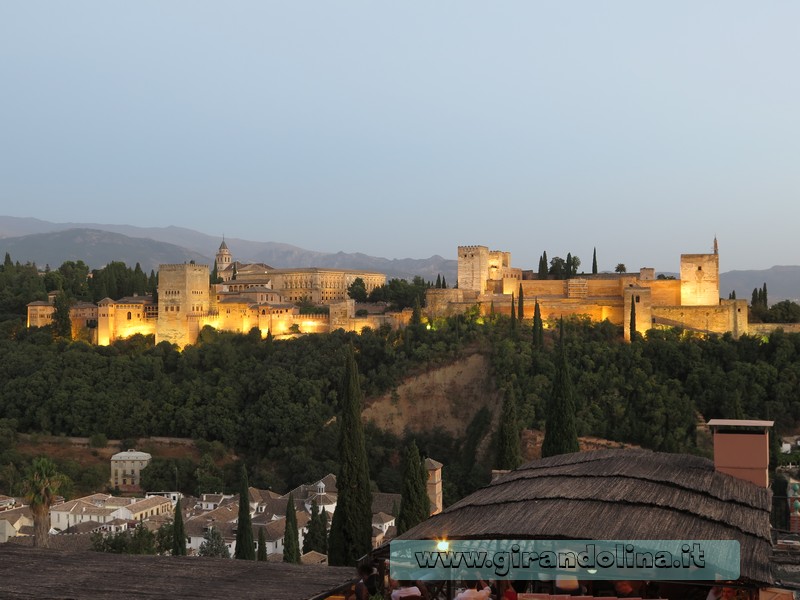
(223, 260)
(473, 268)
(183, 297)
(700, 278)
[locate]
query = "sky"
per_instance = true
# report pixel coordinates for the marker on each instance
(405, 129)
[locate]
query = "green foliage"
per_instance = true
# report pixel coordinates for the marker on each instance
(213, 545)
(509, 451)
(178, 532)
(138, 541)
(561, 436)
(163, 474)
(357, 290)
(291, 538)
(245, 546)
(594, 261)
(317, 537)
(521, 304)
(98, 440)
(620, 268)
(400, 293)
(62, 324)
(415, 506)
(41, 485)
(351, 528)
(261, 553)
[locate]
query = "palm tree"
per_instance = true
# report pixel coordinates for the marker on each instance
(41, 486)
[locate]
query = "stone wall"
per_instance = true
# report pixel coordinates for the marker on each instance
(473, 267)
(699, 279)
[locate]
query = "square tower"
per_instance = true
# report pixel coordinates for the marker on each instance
(473, 268)
(183, 297)
(699, 279)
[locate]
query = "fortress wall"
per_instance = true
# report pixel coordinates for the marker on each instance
(597, 311)
(604, 287)
(533, 288)
(473, 267)
(664, 292)
(717, 318)
(768, 328)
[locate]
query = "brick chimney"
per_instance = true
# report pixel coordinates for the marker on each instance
(741, 449)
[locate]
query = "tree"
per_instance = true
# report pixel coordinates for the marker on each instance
(633, 317)
(538, 326)
(245, 547)
(764, 299)
(178, 532)
(357, 290)
(261, 555)
(415, 506)
(509, 451)
(542, 274)
(513, 314)
(594, 261)
(620, 268)
(351, 529)
(62, 323)
(568, 265)
(560, 436)
(213, 545)
(291, 540)
(317, 537)
(521, 305)
(444, 283)
(41, 486)
(557, 267)
(416, 314)
(438, 284)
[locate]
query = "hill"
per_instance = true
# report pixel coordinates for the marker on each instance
(195, 245)
(783, 283)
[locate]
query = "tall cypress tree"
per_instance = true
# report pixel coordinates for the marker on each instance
(521, 305)
(509, 451)
(261, 555)
(594, 261)
(543, 268)
(633, 317)
(444, 283)
(561, 435)
(569, 265)
(764, 299)
(513, 314)
(178, 532)
(245, 546)
(351, 529)
(438, 284)
(538, 326)
(291, 543)
(415, 506)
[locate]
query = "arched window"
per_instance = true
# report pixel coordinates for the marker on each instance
(129, 316)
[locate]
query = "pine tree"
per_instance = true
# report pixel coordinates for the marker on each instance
(261, 554)
(178, 532)
(415, 506)
(594, 261)
(633, 318)
(351, 529)
(291, 543)
(561, 436)
(245, 547)
(214, 545)
(509, 451)
(521, 305)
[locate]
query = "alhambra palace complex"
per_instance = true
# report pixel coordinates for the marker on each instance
(256, 295)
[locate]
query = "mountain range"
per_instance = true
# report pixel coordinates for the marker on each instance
(43, 242)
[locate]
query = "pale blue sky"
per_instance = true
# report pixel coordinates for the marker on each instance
(405, 129)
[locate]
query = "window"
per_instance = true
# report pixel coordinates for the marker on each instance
(129, 316)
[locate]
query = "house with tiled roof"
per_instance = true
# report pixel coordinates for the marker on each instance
(13, 522)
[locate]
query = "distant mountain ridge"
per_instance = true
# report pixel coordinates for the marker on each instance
(42, 242)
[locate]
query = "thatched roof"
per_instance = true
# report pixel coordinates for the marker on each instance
(49, 574)
(615, 495)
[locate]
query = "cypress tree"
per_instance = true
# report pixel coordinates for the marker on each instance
(178, 532)
(543, 268)
(569, 265)
(323, 537)
(261, 555)
(245, 547)
(594, 261)
(415, 506)
(62, 323)
(509, 451)
(755, 298)
(351, 529)
(513, 314)
(521, 305)
(538, 326)
(315, 538)
(416, 315)
(765, 302)
(291, 543)
(438, 284)
(560, 435)
(444, 283)
(633, 318)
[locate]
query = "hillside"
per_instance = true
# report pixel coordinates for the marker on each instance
(40, 241)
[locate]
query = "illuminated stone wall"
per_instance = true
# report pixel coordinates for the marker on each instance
(699, 279)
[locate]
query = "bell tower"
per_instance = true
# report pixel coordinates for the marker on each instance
(223, 259)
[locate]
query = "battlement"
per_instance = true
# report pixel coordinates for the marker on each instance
(472, 249)
(186, 267)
